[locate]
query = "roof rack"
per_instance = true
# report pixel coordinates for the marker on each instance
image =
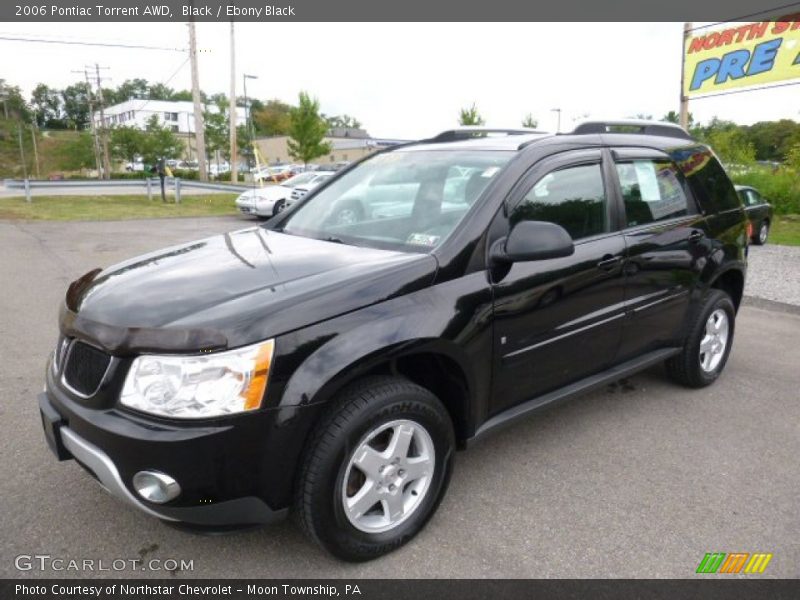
(634, 126)
(469, 132)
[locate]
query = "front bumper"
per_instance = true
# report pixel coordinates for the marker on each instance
(232, 472)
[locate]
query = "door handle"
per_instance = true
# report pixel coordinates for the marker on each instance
(608, 262)
(696, 236)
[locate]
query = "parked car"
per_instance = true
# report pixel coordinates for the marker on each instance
(135, 166)
(333, 369)
(216, 169)
(276, 173)
(268, 201)
(759, 213)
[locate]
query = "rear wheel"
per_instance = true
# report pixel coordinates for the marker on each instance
(760, 238)
(708, 344)
(376, 468)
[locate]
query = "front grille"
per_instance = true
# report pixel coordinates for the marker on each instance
(85, 368)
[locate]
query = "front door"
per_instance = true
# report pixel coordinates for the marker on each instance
(559, 320)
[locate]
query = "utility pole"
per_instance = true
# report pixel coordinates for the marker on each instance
(103, 128)
(22, 150)
(199, 124)
(90, 100)
(35, 150)
(684, 106)
(232, 111)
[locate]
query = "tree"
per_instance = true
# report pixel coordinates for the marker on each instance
(76, 105)
(78, 153)
(14, 104)
(732, 146)
(159, 91)
(530, 122)
(130, 88)
(470, 116)
(793, 157)
(674, 117)
(159, 141)
(307, 130)
(127, 143)
(273, 118)
(343, 121)
(46, 105)
(217, 131)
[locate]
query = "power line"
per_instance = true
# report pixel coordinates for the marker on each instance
(100, 44)
(743, 17)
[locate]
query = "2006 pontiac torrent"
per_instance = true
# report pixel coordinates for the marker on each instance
(329, 362)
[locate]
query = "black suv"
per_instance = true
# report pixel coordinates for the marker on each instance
(330, 361)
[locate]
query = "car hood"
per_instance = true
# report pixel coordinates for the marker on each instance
(233, 289)
(271, 192)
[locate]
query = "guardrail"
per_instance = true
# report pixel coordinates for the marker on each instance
(149, 183)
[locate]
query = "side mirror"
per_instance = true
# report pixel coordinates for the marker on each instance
(533, 240)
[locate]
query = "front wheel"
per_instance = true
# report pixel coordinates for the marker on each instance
(376, 469)
(708, 344)
(278, 208)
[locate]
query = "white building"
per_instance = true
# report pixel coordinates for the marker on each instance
(178, 116)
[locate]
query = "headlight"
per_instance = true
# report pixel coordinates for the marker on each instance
(197, 387)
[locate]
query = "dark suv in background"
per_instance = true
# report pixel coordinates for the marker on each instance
(332, 367)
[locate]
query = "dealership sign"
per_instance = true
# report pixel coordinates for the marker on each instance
(742, 55)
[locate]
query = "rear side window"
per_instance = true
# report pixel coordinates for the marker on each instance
(573, 197)
(652, 191)
(708, 180)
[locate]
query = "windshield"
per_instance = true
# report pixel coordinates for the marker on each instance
(298, 179)
(407, 200)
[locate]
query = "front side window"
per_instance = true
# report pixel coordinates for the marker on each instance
(408, 200)
(652, 191)
(573, 197)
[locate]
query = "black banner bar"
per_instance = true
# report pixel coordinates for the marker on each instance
(399, 589)
(376, 10)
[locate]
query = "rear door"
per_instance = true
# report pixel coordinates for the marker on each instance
(667, 247)
(558, 320)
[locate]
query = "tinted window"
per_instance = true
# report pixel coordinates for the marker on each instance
(708, 180)
(652, 191)
(573, 198)
(753, 198)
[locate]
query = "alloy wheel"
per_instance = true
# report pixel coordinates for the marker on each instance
(388, 476)
(715, 340)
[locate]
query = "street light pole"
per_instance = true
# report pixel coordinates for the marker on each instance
(558, 126)
(248, 121)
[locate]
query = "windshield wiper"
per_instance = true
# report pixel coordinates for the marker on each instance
(333, 239)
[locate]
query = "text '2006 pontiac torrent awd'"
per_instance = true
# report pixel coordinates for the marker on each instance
(330, 367)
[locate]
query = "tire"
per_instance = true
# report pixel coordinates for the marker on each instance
(278, 207)
(329, 481)
(694, 367)
(760, 236)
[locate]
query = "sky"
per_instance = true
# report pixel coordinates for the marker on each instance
(405, 80)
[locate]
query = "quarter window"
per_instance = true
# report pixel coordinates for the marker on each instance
(652, 191)
(573, 197)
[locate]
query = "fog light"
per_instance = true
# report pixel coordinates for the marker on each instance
(156, 487)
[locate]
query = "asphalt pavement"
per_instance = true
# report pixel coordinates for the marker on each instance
(636, 480)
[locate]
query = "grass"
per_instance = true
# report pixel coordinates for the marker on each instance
(115, 207)
(785, 230)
